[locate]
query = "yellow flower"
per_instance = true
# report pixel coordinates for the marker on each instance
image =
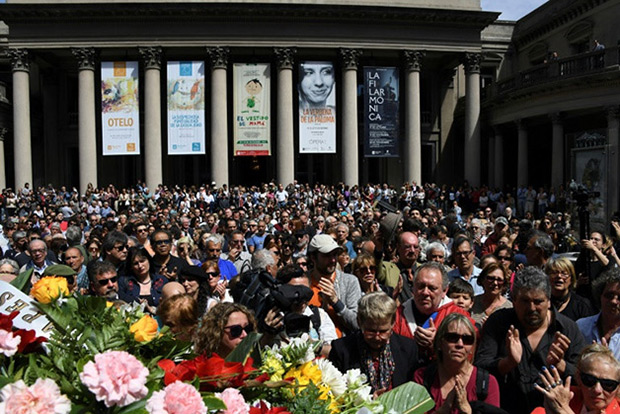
(49, 288)
(273, 366)
(304, 374)
(145, 329)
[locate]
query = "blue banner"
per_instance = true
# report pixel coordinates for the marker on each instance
(381, 111)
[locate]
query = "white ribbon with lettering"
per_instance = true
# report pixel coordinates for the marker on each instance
(30, 317)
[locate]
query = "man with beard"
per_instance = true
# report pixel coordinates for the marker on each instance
(604, 327)
(336, 292)
(103, 279)
(518, 343)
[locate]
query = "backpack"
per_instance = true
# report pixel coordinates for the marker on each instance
(482, 380)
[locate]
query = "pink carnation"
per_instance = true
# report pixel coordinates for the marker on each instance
(176, 398)
(116, 377)
(235, 403)
(8, 343)
(43, 397)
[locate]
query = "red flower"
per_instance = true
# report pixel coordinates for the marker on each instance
(264, 410)
(185, 371)
(29, 342)
(214, 372)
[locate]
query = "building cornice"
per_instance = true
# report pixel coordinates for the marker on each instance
(549, 17)
(190, 12)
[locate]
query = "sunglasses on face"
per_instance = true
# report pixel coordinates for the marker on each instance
(235, 331)
(121, 248)
(161, 242)
(104, 282)
(304, 264)
(606, 384)
(453, 338)
(212, 274)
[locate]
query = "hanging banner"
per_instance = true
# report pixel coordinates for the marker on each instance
(186, 108)
(317, 108)
(120, 116)
(252, 132)
(381, 105)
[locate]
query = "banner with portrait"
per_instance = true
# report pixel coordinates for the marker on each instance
(381, 111)
(186, 107)
(317, 107)
(120, 111)
(252, 109)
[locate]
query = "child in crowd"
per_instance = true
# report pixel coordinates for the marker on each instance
(461, 293)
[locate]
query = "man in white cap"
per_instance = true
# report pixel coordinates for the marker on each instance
(336, 292)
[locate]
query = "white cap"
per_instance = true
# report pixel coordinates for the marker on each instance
(323, 243)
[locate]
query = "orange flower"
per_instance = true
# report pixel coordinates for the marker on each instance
(49, 288)
(145, 329)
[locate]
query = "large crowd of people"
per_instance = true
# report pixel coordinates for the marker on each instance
(488, 298)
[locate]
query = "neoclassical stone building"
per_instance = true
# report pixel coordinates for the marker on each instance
(552, 115)
(51, 69)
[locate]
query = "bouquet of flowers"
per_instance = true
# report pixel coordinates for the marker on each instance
(102, 358)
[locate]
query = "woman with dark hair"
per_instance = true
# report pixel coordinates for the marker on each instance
(139, 283)
(563, 282)
(453, 381)
(223, 328)
(592, 261)
(494, 280)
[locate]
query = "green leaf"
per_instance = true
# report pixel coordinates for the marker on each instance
(409, 398)
(21, 281)
(213, 403)
(243, 350)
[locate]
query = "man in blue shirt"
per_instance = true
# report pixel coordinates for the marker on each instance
(214, 250)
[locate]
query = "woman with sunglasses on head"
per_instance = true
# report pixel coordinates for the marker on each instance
(222, 329)
(594, 389)
(453, 381)
(139, 283)
(494, 280)
(563, 282)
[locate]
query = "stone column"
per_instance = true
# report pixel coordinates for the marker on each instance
(472, 117)
(557, 150)
(219, 115)
(413, 119)
(3, 132)
(22, 149)
(499, 157)
(491, 162)
(522, 172)
(350, 144)
(151, 57)
(87, 127)
(613, 198)
(285, 129)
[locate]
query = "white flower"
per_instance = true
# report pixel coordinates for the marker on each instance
(363, 394)
(8, 343)
(332, 377)
(355, 378)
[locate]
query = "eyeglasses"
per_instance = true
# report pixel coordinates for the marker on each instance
(121, 247)
(611, 295)
(606, 384)
(212, 274)
(104, 282)
(463, 254)
(304, 264)
(453, 338)
(495, 280)
(162, 242)
(37, 251)
(8, 273)
(235, 331)
(504, 258)
(142, 230)
(367, 269)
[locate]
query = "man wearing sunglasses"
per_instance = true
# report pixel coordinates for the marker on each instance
(517, 343)
(103, 279)
(115, 249)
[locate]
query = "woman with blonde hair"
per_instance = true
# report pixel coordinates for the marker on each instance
(597, 379)
(563, 283)
(223, 328)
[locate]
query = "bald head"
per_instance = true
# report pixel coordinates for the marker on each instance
(171, 289)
